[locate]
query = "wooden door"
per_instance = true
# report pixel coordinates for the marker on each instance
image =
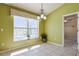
(70, 29)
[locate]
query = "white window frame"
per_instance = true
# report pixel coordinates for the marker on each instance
(28, 31)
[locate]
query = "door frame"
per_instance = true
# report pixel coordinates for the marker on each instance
(63, 25)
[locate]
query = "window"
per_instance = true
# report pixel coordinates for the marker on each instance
(25, 28)
(33, 28)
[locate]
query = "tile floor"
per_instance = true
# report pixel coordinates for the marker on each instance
(44, 50)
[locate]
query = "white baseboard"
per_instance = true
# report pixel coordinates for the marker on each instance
(13, 48)
(29, 45)
(55, 43)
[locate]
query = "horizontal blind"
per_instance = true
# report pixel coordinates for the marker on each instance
(23, 14)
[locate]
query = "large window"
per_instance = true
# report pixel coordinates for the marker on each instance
(25, 28)
(33, 28)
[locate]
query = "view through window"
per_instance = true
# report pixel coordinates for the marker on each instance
(25, 28)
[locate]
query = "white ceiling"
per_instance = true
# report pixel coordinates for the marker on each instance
(35, 7)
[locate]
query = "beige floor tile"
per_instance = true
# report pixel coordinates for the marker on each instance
(46, 50)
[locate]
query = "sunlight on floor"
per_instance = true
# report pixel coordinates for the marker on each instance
(24, 50)
(34, 47)
(19, 52)
(44, 50)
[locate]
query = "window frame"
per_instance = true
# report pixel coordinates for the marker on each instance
(28, 29)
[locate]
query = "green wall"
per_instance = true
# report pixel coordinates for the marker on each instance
(42, 28)
(53, 24)
(5, 23)
(6, 36)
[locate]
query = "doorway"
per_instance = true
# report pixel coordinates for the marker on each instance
(70, 30)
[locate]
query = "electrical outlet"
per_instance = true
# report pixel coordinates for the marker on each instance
(2, 44)
(2, 29)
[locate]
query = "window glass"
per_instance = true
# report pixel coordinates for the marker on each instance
(25, 28)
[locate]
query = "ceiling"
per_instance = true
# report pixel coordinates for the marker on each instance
(35, 7)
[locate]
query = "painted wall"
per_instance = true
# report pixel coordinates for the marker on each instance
(6, 36)
(5, 23)
(53, 24)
